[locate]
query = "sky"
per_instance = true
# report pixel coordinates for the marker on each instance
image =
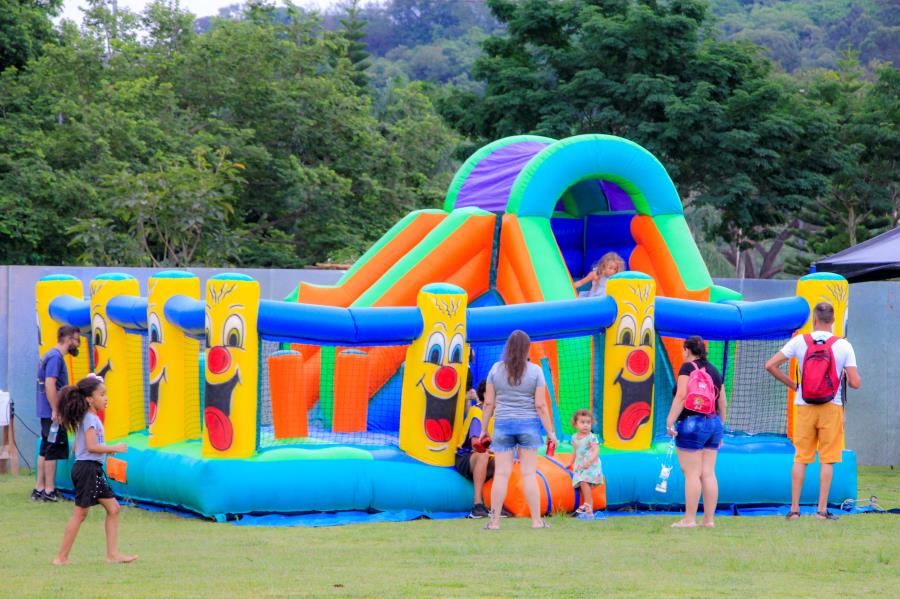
(201, 8)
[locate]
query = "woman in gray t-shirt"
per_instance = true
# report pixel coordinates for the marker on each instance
(516, 395)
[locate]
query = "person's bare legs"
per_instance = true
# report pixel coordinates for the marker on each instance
(39, 479)
(49, 476)
(503, 462)
(112, 533)
(826, 473)
(691, 463)
(710, 486)
(586, 498)
(528, 466)
(479, 462)
(798, 473)
(78, 516)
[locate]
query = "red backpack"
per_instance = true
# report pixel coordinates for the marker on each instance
(819, 380)
(701, 392)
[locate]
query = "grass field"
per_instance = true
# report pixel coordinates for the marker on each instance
(621, 557)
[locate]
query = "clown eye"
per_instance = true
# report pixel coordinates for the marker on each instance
(99, 330)
(154, 328)
(234, 331)
(456, 349)
(434, 349)
(647, 332)
(625, 334)
(208, 335)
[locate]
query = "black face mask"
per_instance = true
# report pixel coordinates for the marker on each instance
(73, 351)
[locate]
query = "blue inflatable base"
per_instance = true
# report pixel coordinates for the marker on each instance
(752, 471)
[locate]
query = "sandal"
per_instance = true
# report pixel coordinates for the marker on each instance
(826, 515)
(583, 508)
(490, 526)
(792, 516)
(544, 524)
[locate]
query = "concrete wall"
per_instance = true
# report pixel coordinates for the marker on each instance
(873, 327)
(18, 330)
(873, 413)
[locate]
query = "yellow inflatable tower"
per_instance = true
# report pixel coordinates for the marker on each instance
(629, 359)
(816, 288)
(431, 408)
(46, 289)
(117, 358)
(174, 362)
(232, 367)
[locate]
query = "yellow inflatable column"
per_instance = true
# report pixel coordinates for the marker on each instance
(817, 288)
(433, 401)
(232, 367)
(174, 362)
(46, 290)
(629, 358)
(117, 358)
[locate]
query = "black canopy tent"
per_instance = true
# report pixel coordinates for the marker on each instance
(874, 260)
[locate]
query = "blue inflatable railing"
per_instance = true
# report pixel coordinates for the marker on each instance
(328, 325)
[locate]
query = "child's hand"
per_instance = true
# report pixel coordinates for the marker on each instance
(120, 447)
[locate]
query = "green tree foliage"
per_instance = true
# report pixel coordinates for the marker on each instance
(863, 199)
(353, 27)
(805, 34)
(732, 135)
(145, 143)
(25, 28)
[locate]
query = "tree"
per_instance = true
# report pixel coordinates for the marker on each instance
(25, 28)
(731, 133)
(862, 200)
(353, 30)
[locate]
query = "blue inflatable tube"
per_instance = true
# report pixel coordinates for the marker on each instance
(72, 311)
(128, 311)
(187, 314)
(548, 320)
(730, 320)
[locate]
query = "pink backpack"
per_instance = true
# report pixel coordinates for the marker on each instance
(701, 392)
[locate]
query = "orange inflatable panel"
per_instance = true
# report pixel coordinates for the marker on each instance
(554, 485)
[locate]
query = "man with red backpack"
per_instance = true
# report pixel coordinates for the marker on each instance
(824, 360)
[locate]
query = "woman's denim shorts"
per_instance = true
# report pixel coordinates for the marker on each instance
(517, 432)
(699, 432)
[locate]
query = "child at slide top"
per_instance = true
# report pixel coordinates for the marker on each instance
(78, 406)
(585, 463)
(610, 264)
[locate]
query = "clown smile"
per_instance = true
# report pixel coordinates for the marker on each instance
(154, 395)
(635, 407)
(439, 415)
(217, 400)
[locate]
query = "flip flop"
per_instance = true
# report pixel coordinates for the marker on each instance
(683, 524)
(792, 516)
(543, 525)
(826, 516)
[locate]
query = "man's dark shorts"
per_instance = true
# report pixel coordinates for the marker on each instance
(463, 465)
(53, 451)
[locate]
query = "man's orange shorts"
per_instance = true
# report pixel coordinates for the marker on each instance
(818, 426)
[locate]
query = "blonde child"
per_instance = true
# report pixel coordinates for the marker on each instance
(610, 264)
(78, 406)
(585, 463)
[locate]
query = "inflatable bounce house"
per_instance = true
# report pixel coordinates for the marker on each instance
(353, 396)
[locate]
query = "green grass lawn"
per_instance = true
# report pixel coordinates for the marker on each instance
(620, 557)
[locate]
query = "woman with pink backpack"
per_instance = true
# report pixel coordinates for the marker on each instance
(695, 421)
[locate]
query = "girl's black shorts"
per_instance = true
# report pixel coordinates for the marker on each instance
(90, 483)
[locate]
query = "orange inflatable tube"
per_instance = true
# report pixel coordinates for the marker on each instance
(351, 391)
(289, 403)
(346, 293)
(554, 483)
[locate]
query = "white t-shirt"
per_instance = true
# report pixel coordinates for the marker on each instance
(843, 358)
